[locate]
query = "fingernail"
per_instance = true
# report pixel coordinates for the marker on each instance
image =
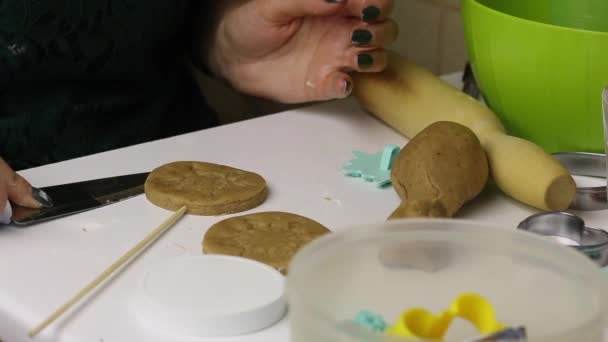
(365, 60)
(370, 13)
(348, 88)
(361, 37)
(42, 197)
(334, 1)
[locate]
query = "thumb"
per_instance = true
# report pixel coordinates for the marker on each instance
(282, 10)
(336, 85)
(19, 191)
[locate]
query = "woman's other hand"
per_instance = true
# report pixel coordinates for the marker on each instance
(299, 50)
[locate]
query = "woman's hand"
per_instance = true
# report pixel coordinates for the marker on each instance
(17, 190)
(298, 50)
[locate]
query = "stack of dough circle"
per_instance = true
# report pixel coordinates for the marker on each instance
(204, 188)
(271, 238)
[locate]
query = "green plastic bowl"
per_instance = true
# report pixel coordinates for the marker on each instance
(541, 66)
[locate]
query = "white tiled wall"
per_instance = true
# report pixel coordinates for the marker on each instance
(431, 34)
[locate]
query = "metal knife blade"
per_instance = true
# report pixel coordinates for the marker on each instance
(73, 198)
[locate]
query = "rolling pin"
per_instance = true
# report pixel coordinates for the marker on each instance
(409, 98)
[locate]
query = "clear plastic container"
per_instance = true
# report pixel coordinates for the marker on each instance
(555, 292)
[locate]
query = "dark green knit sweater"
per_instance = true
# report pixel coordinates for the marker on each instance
(84, 76)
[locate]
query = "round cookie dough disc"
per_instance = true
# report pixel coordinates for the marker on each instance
(268, 237)
(205, 188)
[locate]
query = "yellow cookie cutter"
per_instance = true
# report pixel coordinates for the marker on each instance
(421, 323)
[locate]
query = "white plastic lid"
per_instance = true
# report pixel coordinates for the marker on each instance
(210, 296)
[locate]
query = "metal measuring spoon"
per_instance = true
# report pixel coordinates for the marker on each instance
(570, 230)
(592, 165)
(586, 164)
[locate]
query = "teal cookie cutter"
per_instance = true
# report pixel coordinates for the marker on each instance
(374, 167)
(370, 321)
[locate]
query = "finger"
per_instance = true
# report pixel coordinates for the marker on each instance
(285, 11)
(336, 85)
(370, 10)
(3, 196)
(375, 35)
(7, 179)
(18, 190)
(367, 61)
(22, 193)
(6, 214)
(282, 11)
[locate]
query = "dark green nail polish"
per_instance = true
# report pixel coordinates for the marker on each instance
(334, 1)
(370, 13)
(365, 61)
(42, 197)
(361, 37)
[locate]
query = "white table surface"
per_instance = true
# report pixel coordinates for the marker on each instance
(299, 152)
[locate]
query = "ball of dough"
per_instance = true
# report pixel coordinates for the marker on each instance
(439, 170)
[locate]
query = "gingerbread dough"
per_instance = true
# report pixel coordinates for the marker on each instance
(272, 238)
(204, 188)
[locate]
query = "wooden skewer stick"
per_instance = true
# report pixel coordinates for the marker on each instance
(105, 274)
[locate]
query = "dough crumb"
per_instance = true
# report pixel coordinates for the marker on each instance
(91, 226)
